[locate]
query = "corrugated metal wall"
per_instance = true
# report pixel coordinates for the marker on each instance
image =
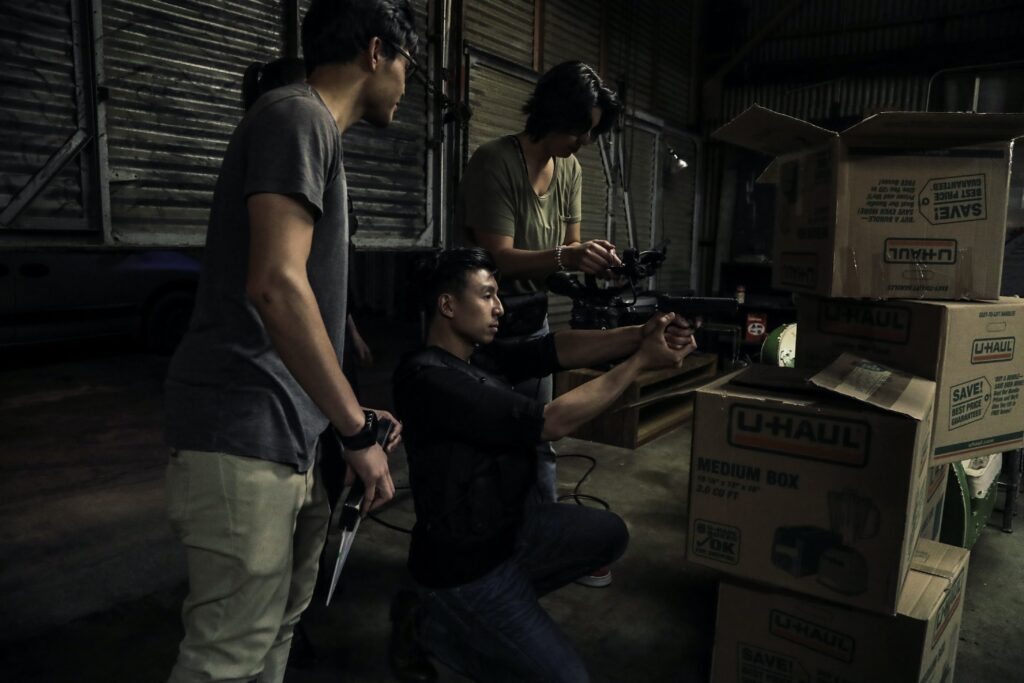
(847, 98)
(174, 74)
(387, 168)
(496, 99)
(649, 50)
(572, 31)
(38, 110)
(825, 30)
(501, 27)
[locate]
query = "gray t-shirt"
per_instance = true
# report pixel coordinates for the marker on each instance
(227, 388)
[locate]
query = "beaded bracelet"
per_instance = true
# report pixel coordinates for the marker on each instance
(558, 257)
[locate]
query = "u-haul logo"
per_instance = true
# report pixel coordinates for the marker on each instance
(812, 636)
(992, 350)
(827, 439)
(930, 252)
(874, 322)
(948, 607)
(968, 402)
(958, 199)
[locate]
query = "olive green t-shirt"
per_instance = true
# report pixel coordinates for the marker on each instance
(495, 196)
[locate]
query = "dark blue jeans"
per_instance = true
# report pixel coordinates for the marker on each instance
(493, 628)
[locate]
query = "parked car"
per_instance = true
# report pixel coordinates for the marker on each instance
(50, 295)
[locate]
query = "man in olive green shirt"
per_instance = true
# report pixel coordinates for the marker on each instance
(520, 198)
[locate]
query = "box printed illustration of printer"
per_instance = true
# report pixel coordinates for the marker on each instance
(830, 554)
(815, 484)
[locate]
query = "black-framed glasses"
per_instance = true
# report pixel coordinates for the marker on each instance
(412, 67)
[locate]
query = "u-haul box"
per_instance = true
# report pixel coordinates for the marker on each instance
(811, 489)
(969, 349)
(900, 205)
(763, 636)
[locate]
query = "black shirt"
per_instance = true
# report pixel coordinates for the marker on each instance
(471, 446)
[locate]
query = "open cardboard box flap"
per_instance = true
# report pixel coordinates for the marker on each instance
(936, 567)
(878, 385)
(771, 133)
(851, 377)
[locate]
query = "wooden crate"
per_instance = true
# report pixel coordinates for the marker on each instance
(655, 403)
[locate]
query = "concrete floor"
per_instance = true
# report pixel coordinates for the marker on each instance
(91, 580)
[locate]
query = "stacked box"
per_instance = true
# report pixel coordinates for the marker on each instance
(899, 209)
(816, 488)
(969, 349)
(767, 636)
(900, 205)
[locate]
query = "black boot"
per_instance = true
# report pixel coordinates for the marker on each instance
(409, 663)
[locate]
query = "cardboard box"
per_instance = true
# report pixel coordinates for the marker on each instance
(808, 489)
(772, 637)
(969, 349)
(902, 204)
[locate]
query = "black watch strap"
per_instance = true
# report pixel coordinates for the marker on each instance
(364, 438)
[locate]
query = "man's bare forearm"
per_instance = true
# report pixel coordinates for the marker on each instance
(572, 409)
(585, 348)
(289, 311)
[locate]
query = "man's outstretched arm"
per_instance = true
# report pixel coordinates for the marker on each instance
(571, 410)
(586, 348)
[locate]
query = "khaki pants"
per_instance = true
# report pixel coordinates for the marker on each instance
(253, 532)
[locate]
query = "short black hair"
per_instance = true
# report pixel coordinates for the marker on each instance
(335, 31)
(563, 98)
(260, 78)
(444, 272)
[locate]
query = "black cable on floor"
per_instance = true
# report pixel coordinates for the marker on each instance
(576, 495)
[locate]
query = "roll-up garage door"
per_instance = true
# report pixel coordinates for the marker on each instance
(37, 97)
(386, 168)
(496, 98)
(174, 73)
(501, 27)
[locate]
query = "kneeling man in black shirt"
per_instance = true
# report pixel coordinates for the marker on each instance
(483, 551)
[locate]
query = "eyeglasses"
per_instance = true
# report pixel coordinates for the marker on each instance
(412, 67)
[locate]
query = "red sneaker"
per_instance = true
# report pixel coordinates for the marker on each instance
(599, 578)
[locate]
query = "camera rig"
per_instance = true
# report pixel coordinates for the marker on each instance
(600, 308)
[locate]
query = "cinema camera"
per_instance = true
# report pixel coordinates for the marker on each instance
(605, 308)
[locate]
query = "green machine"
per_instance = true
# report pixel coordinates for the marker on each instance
(969, 502)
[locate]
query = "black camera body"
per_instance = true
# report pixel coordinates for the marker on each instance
(606, 308)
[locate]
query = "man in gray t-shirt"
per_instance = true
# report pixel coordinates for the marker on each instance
(258, 376)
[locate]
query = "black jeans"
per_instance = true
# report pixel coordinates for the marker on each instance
(493, 628)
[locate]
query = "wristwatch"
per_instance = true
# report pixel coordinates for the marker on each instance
(364, 438)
